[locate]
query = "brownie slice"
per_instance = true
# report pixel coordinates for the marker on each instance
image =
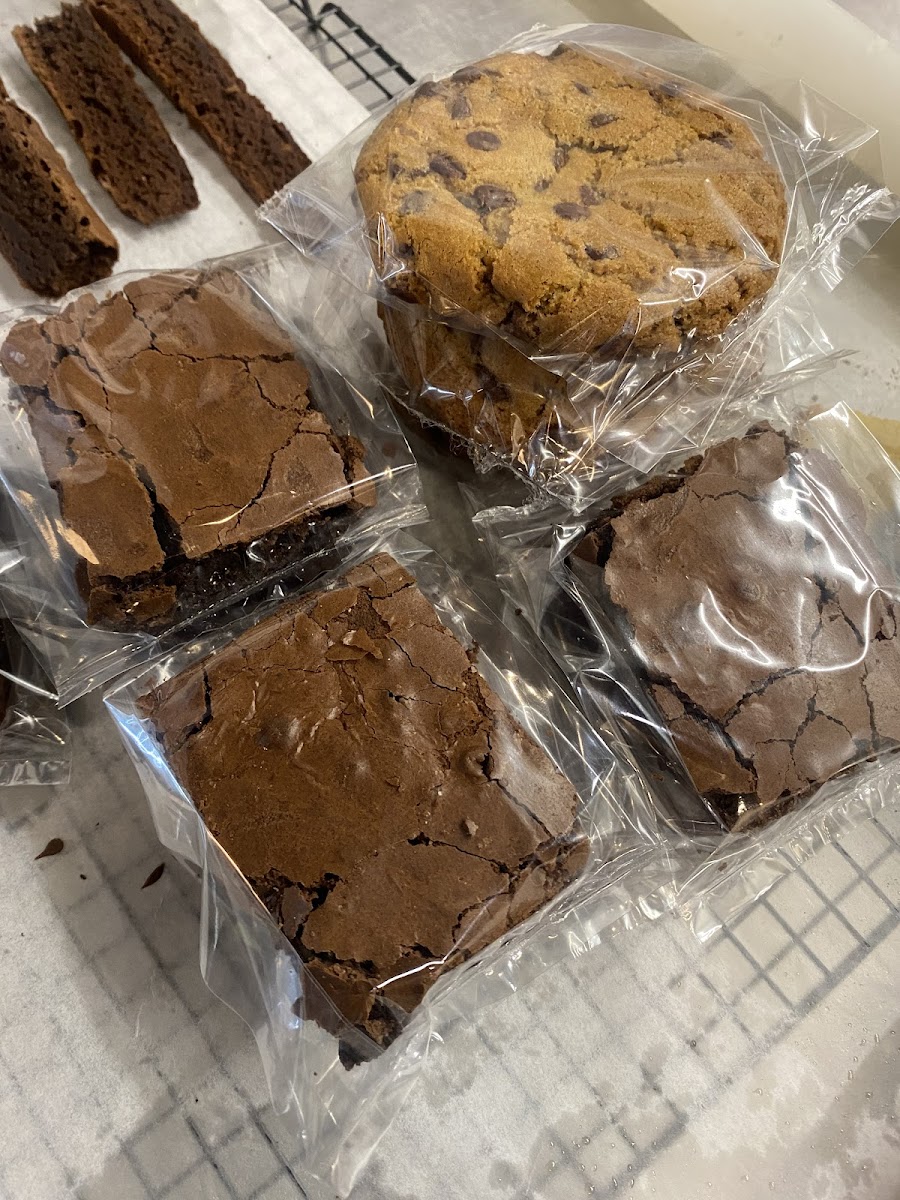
(49, 234)
(761, 616)
(373, 789)
(114, 123)
(188, 455)
(169, 47)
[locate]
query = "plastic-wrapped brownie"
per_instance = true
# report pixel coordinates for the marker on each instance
(186, 444)
(759, 612)
(392, 811)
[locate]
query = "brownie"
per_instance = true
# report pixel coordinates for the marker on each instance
(49, 234)
(180, 434)
(110, 117)
(169, 47)
(761, 617)
(376, 793)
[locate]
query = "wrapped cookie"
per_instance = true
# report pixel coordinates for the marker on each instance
(619, 207)
(173, 442)
(385, 792)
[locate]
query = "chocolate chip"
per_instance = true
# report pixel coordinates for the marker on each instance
(470, 74)
(720, 138)
(446, 166)
(569, 211)
(542, 185)
(413, 203)
(670, 88)
(460, 108)
(489, 197)
(393, 167)
(482, 139)
(154, 877)
(583, 88)
(589, 195)
(599, 255)
(560, 157)
(54, 846)
(598, 120)
(430, 88)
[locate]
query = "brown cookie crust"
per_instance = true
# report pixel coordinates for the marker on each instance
(573, 203)
(375, 791)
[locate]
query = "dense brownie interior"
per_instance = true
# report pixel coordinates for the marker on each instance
(762, 617)
(376, 792)
(169, 47)
(177, 427)
(111, 118)
(49, 234)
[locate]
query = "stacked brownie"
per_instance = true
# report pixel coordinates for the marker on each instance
(182, 437)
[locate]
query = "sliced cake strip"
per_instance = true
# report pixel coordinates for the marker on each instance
(49, 234)
(111, 118)
(169, 47)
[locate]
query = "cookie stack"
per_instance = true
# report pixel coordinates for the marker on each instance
(532, 212)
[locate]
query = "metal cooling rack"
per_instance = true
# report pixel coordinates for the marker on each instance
(353, 56)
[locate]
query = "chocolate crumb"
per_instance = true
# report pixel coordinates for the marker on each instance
(154, 877)
(53, 847)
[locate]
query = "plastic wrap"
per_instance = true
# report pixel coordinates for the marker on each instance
(35, 745)
(386, 732)
(729, 625)
(171, 442)
(581, 246)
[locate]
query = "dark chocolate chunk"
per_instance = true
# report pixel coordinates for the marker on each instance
(431, 87)
(570, 211)
(446, 166)
(489, 197)
(583, 88)
(598, 120)
(598, 255)
(483, 139)
(400, 820)
(460, 108)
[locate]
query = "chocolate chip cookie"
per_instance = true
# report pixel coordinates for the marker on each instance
(577, 204)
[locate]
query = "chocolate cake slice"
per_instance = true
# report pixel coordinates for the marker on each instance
(49, 234)
(169, 47)
(183, 439)
(375, 791)
(761, 616)
(125, 142)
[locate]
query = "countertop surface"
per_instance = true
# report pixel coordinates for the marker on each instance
(765, 1061)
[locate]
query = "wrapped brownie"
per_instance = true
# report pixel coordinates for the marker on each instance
(756, 592)
(396, 779)
(173, 442)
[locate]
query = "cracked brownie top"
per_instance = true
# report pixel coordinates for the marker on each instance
(573, 203)
(762, 615)
(175, 423)
(376, 792)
